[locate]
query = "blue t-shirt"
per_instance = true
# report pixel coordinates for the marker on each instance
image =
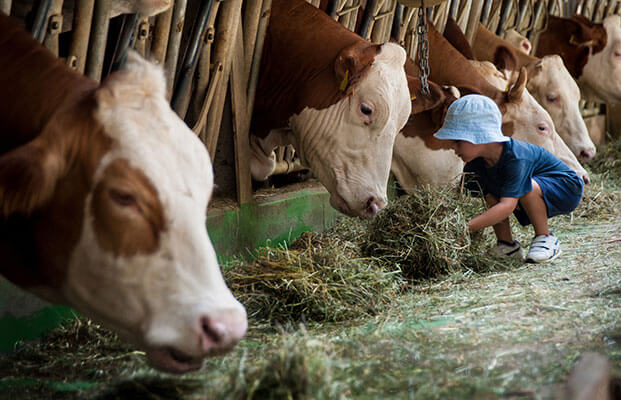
(518, 164)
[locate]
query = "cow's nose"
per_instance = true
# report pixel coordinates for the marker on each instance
(585, 178)
(221, 331)
(586, 155)
(374, 206)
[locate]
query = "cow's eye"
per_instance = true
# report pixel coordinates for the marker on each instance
(552, 98)
(122, 198)
(542, 128)
(618, 54)
(365, 109)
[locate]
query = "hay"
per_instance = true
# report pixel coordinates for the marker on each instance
(607, 161)
(321, 278)
(297, 369)
(425, 234)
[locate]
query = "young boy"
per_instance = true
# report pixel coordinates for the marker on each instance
(516, 177)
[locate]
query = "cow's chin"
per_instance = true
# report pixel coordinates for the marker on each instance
(341, 205)
(167, 359)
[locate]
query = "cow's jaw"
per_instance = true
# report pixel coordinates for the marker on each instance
(601, 77)
(351, 155)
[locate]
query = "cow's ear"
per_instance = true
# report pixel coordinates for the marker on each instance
(515, 93)
(454, 35)
(525, 46)
(139, 81)
(428, 111)
(28, 176)
(436, 96)
(534, 68)
(505, 59)
(352, 60)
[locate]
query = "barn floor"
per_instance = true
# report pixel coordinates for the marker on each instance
(514, 334)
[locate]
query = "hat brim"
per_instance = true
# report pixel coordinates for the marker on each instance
(455, 134)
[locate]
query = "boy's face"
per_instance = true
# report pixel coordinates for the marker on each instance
(465, 150)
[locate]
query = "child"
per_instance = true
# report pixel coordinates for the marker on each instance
(515, 177)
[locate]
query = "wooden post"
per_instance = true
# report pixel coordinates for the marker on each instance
(225, 32)
(5, 6)
(473, 19)
(97, 48)
(82, 19)
(54, 26)
(161, 32)
(174, 41)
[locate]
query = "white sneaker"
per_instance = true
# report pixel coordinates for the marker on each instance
(508, 249)
(543, 248)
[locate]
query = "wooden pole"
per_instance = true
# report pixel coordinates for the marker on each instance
(97, 48)
(82, 20)
(5, 6)
(161, 32)
(174, 41)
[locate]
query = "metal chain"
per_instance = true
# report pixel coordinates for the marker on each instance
(423, 48)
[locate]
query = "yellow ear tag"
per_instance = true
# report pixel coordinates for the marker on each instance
(345, 80)
(573, 40)
(413, 97)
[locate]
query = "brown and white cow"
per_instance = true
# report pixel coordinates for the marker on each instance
(548, 81)
(103, 194)
(339, 99)
(591, 52)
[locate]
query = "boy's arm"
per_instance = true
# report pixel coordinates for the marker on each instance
(494, 214)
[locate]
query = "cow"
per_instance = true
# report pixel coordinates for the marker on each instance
(103, 194)
(548, 81)
(523, 118)
(339, 99)
(591, 52)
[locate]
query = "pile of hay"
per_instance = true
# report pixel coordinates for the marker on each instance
(298, 369)
(424, 233)
(322, 277)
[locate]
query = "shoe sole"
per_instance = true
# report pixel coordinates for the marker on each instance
(554, 257)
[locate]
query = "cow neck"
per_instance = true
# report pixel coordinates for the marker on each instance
(449, 67)
(486, 43)
(34, 83)
(297, 66)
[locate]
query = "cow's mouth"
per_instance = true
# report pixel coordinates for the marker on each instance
(172, 360)
(340, 204)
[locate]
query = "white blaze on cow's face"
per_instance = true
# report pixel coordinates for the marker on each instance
(555, 89)
(601, 77)
(349, 144)
(528, 121)
(144, 264)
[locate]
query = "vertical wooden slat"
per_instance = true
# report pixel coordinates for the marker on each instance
(54, 26)
(252, 14)
(225, 32)
(174, 41)
(5, 6)
(82, 19)
(161, 32)
(473, 19)
(97, 48)
(240, 119)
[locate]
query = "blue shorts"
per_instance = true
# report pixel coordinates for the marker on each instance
(562, 194)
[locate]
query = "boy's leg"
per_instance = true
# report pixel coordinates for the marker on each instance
(503, 228)
(536, 209)
(545, 246)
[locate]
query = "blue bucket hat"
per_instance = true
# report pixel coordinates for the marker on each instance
(473, 118)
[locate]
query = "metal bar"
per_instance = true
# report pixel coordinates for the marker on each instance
(82, 19)
(174, 42)
(5, 6)
(124, 41)
(40, 20)
(521, 15)
(395, 31)
(505, 11)
(537, 17)
(160, 36)
(216, 77)
(97, 48)
(487, 8)
(189, 62)
(367, 16)
(348, 10)
(332, 8)
(473, 20)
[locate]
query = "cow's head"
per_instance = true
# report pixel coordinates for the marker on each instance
(601, 75)
(117, 189)
(554, 88)
(349, 144)
(523, 118)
